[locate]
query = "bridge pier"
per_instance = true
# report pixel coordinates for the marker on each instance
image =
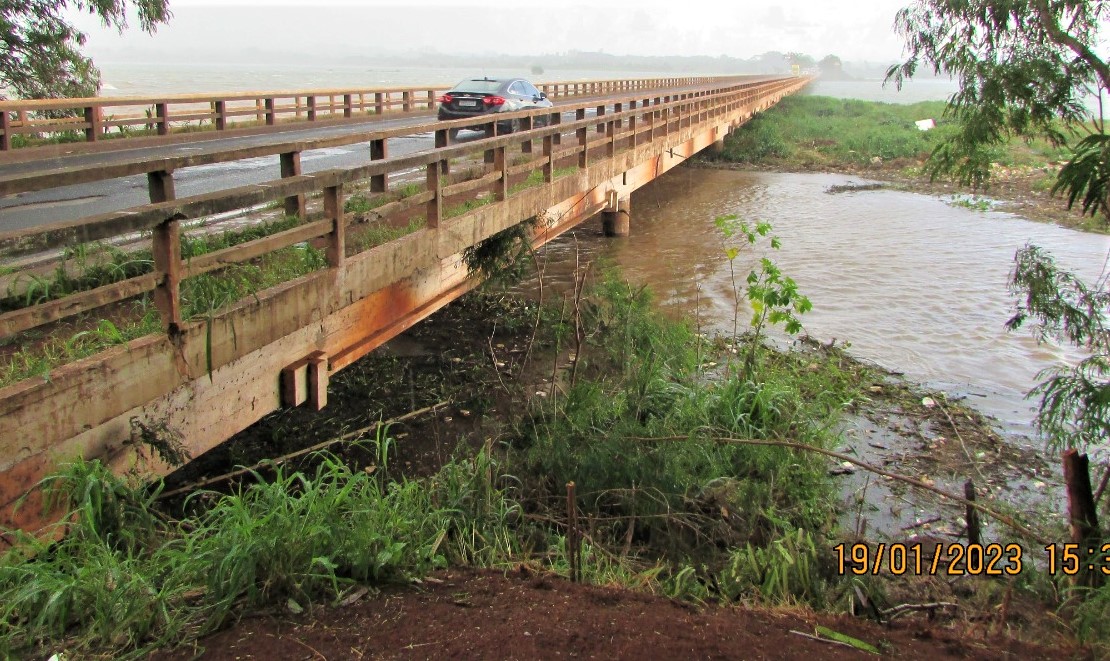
(617, 223)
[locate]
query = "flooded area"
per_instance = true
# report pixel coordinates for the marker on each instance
(909, 282)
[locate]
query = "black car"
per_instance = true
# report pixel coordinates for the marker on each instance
(485, 96)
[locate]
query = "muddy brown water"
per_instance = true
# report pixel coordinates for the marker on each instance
(914, 283)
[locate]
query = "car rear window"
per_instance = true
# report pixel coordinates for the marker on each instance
(478, 86)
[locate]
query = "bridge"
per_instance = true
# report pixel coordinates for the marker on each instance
(334, 263)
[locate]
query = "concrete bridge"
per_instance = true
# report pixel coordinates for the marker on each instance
(210, 376)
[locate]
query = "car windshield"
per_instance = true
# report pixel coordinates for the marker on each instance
(478, 86)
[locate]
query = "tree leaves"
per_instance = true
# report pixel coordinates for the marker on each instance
(39, 49)
(1075, 401)
(1024, 68)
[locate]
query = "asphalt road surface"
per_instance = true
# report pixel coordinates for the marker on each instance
(67, 203)
(31, 209)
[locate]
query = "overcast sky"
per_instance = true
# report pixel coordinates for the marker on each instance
(852, 29)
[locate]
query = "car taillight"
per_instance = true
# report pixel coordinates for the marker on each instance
(446, 98)
(494, 100)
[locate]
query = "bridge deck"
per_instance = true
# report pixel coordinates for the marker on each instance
(211, 376)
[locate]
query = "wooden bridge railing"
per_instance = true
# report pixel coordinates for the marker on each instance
(92, 119)
(211, 376)
(617, 125)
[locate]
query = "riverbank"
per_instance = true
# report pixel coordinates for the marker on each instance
(500, 405)
(880, 141)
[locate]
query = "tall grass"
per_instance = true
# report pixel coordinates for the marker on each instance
(126, 578)
(804, 130)
(640, 439)
(668, 507)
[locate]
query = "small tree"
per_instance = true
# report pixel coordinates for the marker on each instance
(40, 56)
(1075, 402)
(774, 297)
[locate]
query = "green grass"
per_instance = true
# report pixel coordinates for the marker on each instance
(807, 131)
(200, 296)
(126, 578)
(637, 429)
(823, 130)
(535, 178)
(376, 235)
(91, 265)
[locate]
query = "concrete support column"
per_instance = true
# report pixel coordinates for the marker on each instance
(617, 223)
(718, 147)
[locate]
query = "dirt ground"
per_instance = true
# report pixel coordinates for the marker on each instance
(485, 614)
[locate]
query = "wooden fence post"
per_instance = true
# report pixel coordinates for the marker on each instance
(500, 164)
(94, 129)
(379, 150)
(160, 186)
(443, 139)
(291, 167)
(333, 209)
(583, 140)
(221, 115)
(162, 110)
(435, 186)
(167, 261)
(5, 131)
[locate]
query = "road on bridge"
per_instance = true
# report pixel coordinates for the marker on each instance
(66, 203)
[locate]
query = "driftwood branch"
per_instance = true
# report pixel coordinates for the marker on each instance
(1005, 520)
(896, 611)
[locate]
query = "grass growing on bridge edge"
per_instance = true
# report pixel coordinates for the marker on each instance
(40, 351)
(689, 518)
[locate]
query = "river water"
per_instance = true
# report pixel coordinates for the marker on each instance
(911, 282)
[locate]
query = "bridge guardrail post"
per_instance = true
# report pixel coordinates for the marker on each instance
(291, 167)
(618, 108)
(406, 101)
(5, 131)
(333, 209)
(167, 261)
(221, 115)
(443, 139)
(94, 129)
(268, 104)
(431, 99)
(525, 125)
(379, 150)
(310, 101)
(435, 186)
(490, 130)
(549, 158)
(600, 114)
(160, 186)
(379, 103)
(632, 125)
(500, 164)
(348, 105)
(556, 119)
(583, 140)
(610, 139)
(162, 118)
